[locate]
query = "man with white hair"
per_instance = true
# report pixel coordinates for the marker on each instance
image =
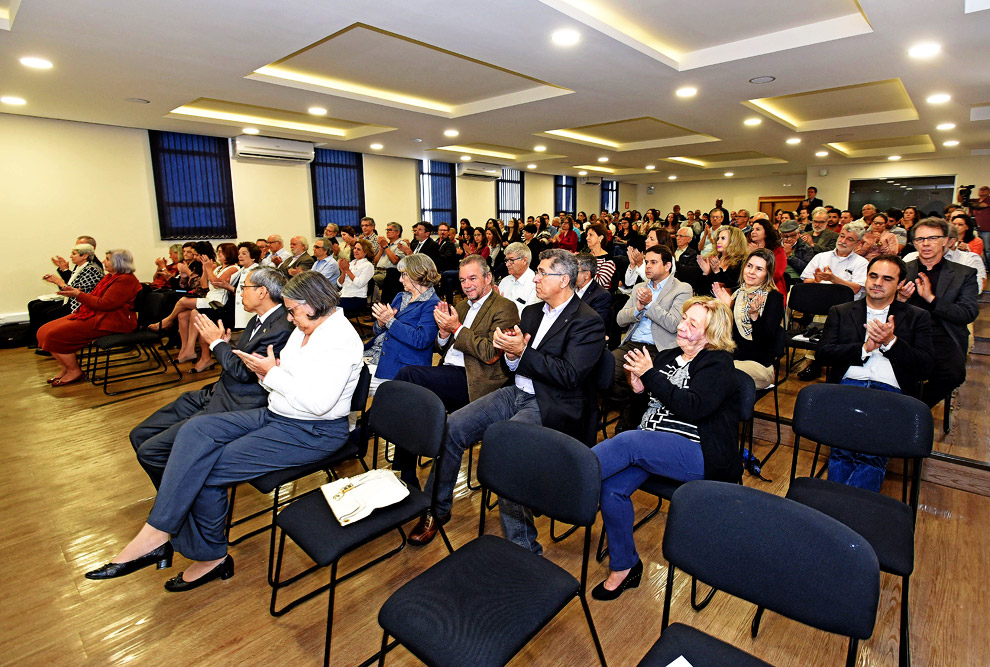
(300, 260)
(820, 237)
(518, 287)
(277, 252)
(840, 266)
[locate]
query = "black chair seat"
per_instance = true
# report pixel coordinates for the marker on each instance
(661, 487)
(311, 524)
(479, 606)
(271, 481)
(120, 340)
(884, 522)
(697, 648)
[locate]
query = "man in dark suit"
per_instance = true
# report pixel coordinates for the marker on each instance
(300, 261)
(237, 388)
(812, 202)
(590, 291)
(553, 352)
(880, 343)
(686, 257)
(948, 291)
(422, 243)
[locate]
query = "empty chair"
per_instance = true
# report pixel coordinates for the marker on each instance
(483, 603)
(716, 530)
(867, 421)
(810, 299)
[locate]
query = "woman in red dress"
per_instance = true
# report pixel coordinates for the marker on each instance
(108, 309)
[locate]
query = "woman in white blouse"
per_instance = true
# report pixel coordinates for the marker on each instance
(354, 276)
(310, 387)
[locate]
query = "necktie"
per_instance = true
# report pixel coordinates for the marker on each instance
(255, 325)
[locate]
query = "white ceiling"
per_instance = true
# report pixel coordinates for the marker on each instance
(172, 53)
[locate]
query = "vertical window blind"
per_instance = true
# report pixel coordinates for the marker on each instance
(509, 194)
(338, 188)
(437, 192)
(565, 194)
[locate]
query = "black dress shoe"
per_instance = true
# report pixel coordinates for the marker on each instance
(632, 579)
(225, 570)
(426, 529)
(162, 556)
(811, 372)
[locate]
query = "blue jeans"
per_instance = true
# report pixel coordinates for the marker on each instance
(864, 471)
(214, 452)
(466, 427)
(627, 461)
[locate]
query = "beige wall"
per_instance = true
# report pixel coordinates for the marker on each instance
(270, 198)
(391, 190)
(538, 195)
(475, 200)
(589, 198)
(735, 193)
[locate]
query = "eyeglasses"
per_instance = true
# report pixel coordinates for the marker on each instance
(543, 274)
(927, 239)
(510, 260)
(292, 311)
(250, 286)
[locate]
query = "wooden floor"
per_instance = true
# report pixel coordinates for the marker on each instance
(74, 495)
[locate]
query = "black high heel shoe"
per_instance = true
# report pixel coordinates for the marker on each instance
(225, 570)
(632, 580)
(162, 556)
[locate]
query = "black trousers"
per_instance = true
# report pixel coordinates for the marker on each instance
(42, 312)
(950, 369)
(447, 382)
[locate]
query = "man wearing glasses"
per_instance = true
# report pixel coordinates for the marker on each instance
(948, 291)
(553, 352)
(518, 287)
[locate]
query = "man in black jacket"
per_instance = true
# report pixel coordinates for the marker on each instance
(237, 388)
(422, 243)
(877, 342)
(553, 352)
(588, 289)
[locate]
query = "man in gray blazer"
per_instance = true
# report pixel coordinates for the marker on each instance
(237, 388)
(948, 291)
(652, 314)
(300, 261)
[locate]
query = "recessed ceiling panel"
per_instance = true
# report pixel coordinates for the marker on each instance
(364, 63)
(630, 134)
(285, 122)
(848, 106)
(510, 153)
(673, 31)
(920, 143)
(720, 160)
(8, 10)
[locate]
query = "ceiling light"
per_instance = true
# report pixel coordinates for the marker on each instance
(909, 188)
(651, 167)
(938, 98)
(540, 148)
(894, 157)
(686, 92)
(821, 154)
(924, 50)
(950, 143)
(250, 130)
(671, 178)
(317, 111)
(450, 133)
(531, 166)
(945, 126)
(416, 140)
(729, 173)
(137, 100)
(465, 157)
(603, 159)
(752, 122)
(762, 79)
(8, 99)
(582, 173)
(793, 141)
(36, 63)
(565, 37)
(377, 147)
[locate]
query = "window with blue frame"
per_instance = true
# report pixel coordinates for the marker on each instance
(564, 194)
(509, 194)
(338, 188)
(192, 186)
(610, 196)
(437, 192)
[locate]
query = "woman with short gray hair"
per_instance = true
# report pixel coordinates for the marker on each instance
(86, 273)
(107, 309)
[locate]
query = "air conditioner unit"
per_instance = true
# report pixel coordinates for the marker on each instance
(481, 171)
(591, 180)
(271, 148)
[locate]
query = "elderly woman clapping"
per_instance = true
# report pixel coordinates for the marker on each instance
(86, 273)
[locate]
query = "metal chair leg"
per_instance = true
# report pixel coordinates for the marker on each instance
(698, 606)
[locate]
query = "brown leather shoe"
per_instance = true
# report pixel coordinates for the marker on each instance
(426, 529)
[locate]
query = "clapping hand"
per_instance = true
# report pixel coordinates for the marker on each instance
(343, 264)
(879, 333)
(511, 341)
(643, 297)
(722, 294)
(258, 364)
(54, 279)
(68, 291)
(755, 306)
(636, 363)
(161, 263)
(382, 313)
(446, 318)
(60, 262)
(209, 331)
(924, 287)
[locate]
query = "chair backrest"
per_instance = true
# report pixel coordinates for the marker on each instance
(545, 470)
(604, 370)
(410, 417)
(817, 298)
(149, 306)
(864, 420)
(779, 343)
(747, 395)
(776, 553)
(359, 400)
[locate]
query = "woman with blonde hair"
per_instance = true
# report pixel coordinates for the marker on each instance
(688, 431)
(757, 311)
(724, 263)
